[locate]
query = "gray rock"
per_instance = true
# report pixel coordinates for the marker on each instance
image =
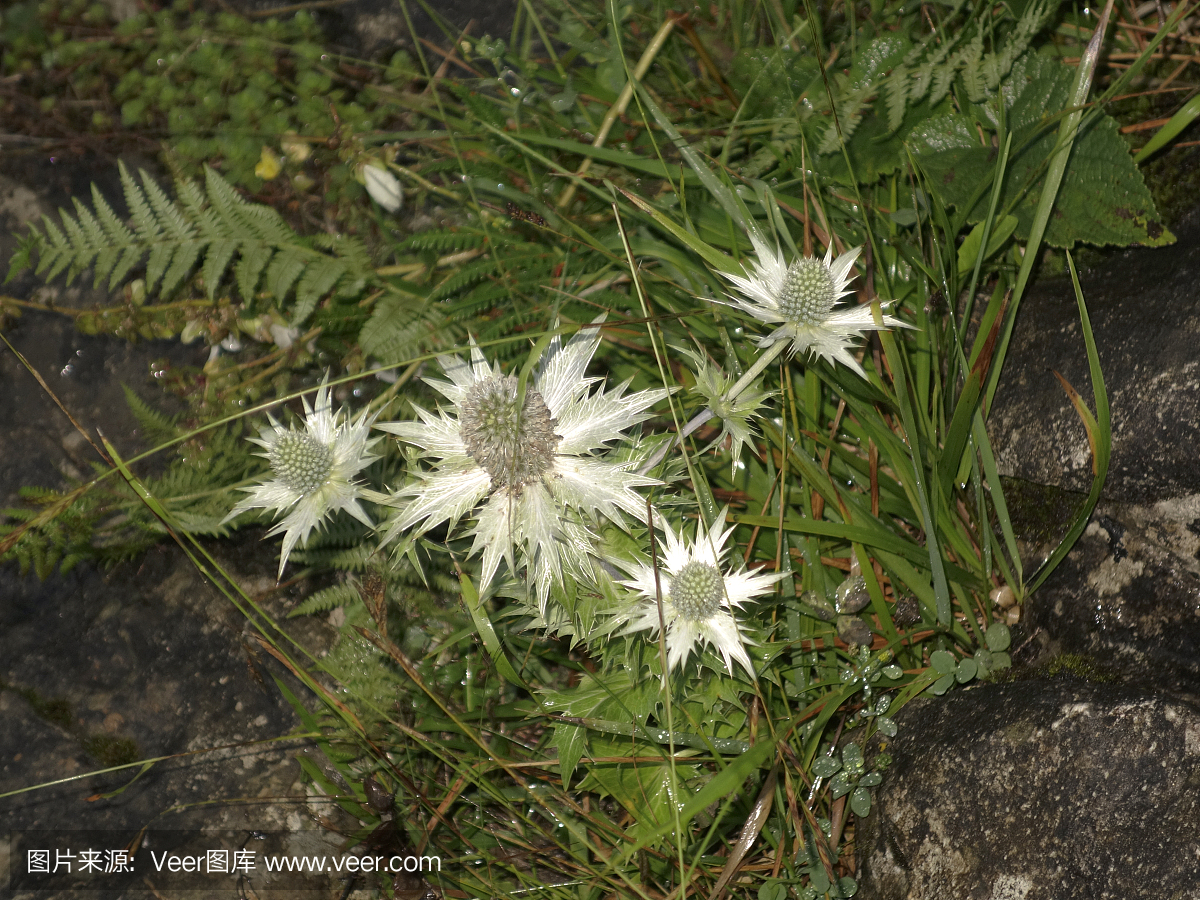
(1046, 790)
(1145, 314)
(1126, 595)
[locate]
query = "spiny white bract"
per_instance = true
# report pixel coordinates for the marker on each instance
(800, 298)
(698, 596)
(714, 386)
(313, 468)
(533, 463)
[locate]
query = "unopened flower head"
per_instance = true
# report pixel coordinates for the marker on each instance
(381, 185)
(699, 596)
(715, 387)
(313, 468)
(534, 462)
(800, 299)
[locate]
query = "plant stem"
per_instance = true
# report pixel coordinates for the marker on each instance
(618, 109)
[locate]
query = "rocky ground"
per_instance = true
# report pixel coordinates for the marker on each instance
(1078, 780)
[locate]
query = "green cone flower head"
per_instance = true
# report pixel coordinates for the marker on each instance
(800, 300)
(313, 469)
(532, 469)
(699, 596)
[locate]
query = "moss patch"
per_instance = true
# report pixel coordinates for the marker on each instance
(1076, 665)
(111, 751)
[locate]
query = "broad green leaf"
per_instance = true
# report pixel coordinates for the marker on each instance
(1102, 199)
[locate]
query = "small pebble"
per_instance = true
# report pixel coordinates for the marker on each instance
(1003, 597)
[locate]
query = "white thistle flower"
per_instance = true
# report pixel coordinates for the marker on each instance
(698, 596)
(313, 468)
(532, 466)
(800, 297)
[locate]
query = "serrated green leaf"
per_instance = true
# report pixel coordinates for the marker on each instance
(220, 253)
(1102, 199)
(285, 268)
(318, 280)
(249, 268)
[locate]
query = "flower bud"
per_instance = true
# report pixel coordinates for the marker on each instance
(382, 186)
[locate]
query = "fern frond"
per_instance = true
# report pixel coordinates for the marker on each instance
(897, 97)
(470, 274)
(158, 428)
(400, 328)
(213, 226)
(327, 599)
(441, 241)
(969, 60)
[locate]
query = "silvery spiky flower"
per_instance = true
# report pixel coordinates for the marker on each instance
(699, 596)
(313, 468)
(532, 463)
(800, 297)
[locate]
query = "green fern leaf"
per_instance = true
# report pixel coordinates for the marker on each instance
(144, 222)
(286, 266)
(897, 97)
(316, 282)
(470, 274)
(81, 234)
(400, 327)
(327, 599)
(215, 228)
(220, 253)
(969, 61)
(441, 241)
(57, 256)
(255, 256)
(158, 428)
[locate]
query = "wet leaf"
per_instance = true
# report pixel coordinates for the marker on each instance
(860, 801)
(826, 766)
(943, 663)
(997, 637)
(942, 685)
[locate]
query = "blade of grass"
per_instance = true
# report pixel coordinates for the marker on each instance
(1054, 176)
(941, 588)
(618, 108)
(1099, 431)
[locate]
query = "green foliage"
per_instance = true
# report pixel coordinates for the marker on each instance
(1103, 199)
(102, 521)
(212, 228)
